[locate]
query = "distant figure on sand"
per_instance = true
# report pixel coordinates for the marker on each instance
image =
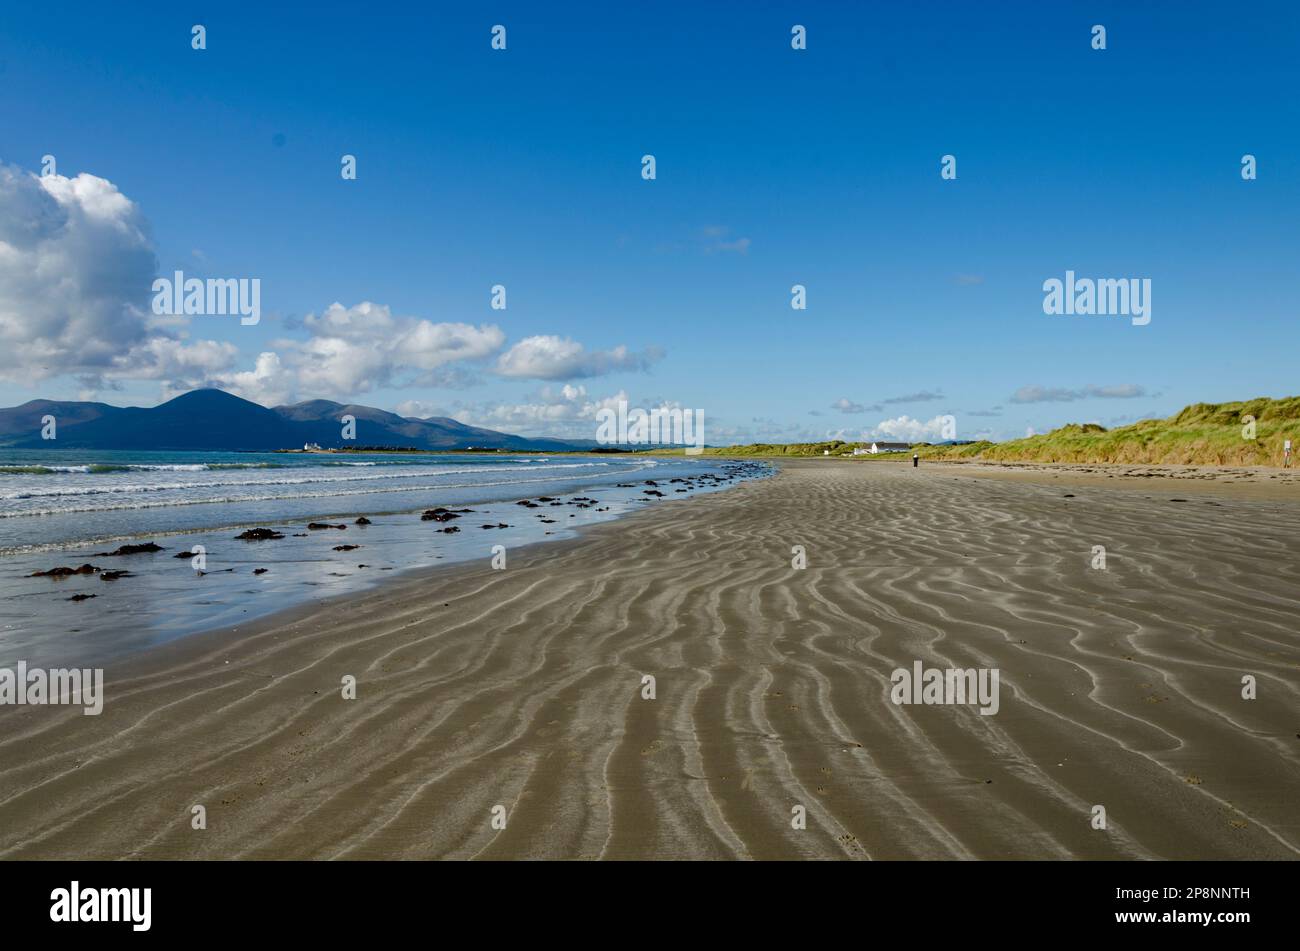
(916, 459)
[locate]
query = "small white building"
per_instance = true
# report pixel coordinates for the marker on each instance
(311, 447)
(879, 447)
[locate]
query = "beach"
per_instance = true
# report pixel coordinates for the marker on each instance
(525, 689)
(61, 512)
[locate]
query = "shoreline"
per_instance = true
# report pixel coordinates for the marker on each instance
(164, 597)
(161, 657)
(523, 688)
(1261, 482)
(1074, 475)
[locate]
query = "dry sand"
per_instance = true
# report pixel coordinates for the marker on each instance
(522, 688)
(1245, 482)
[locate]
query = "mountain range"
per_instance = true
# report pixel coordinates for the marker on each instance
(212, 419)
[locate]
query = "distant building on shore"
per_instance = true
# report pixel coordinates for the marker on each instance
(879, 447)
(311, 447)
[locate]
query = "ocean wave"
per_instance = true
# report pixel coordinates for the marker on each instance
(278, 497)
(218, 466)
(97, 468)
(135, 488)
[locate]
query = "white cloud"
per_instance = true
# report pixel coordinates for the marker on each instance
(76, 271)
(564, 411)
(1058, 394)
(556, 358)
(165, 358)
(76, 275)
(419, 409)
(906, 429)
(354, 350)
(76, 266)
(267, 383)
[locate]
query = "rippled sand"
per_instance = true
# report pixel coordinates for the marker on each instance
(523, 688)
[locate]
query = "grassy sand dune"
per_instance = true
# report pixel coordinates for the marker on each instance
(523, 688)
(1201, 434)
(1212, 434)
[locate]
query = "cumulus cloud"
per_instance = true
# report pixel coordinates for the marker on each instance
(559, 358)
(268, 382)
(165, 358)
(76, 265)
(354, 350)
(420, 409)
(1056, 394)
(846, 405)
(568, 410)
(76, 273)
(906, 429)
(371, 334)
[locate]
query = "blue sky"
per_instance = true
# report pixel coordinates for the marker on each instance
(774, 167)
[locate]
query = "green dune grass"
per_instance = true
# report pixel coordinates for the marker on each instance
(836, 447)
(1201, 434)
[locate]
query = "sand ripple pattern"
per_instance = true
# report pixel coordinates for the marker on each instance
(522, 688)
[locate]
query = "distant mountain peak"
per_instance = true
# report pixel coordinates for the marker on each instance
(212, 419)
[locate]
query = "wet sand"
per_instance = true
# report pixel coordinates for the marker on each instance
(523, 688)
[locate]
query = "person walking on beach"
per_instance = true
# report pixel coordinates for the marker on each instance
(916, 460)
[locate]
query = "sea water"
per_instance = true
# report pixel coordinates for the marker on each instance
(67, 507)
